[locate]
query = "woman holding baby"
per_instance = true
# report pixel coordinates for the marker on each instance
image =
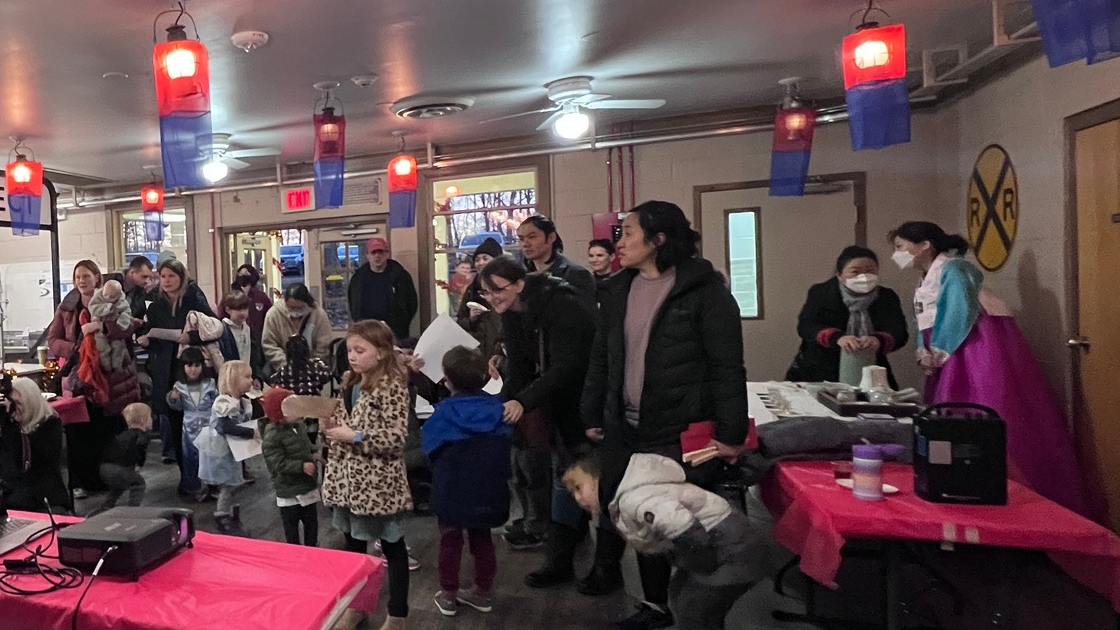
(108, 385)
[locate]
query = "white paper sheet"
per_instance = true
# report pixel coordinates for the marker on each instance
(424, 409)
(440, 336)
(242, 448)
(493, 387)
(167, 334)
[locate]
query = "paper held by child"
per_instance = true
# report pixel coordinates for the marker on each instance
(440, 336)
(243, 448)
(308, 407)
(695, 441)
(166, 334)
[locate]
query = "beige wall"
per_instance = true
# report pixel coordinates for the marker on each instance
(911, 181)
(81, 235)
(1024, 112)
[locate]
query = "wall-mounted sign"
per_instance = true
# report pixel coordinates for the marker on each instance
(993, 207)
(297, 199)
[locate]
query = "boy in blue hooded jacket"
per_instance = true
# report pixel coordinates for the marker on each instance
(468, 445)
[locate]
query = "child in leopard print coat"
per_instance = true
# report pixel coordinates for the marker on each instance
(365, 484)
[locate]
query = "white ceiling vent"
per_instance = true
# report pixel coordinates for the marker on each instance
(425, 107)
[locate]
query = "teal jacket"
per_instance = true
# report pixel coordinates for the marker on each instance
(958, 305)
(286, 448)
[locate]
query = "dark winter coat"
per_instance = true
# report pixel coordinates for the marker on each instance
(259, 303)
(548, 346)
(402, 303)
(468, 445)
(286, 449)
(580, 279)
(487, 327)
(25, 489)
(227, 345)
(693, 365)
(163, 361)
(824, 319)
(64, 337)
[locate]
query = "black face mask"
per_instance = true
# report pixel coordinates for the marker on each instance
(245, 281)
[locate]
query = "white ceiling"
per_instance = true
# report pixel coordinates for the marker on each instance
(698, 55)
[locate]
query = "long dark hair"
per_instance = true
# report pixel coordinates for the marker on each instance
(300, 292)
(192, 355)
(298, 352)
(548, 226)
(918, 231)
(662, 217)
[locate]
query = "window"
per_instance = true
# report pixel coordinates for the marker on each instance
(468, 211)
(134, 239)
(744, 260)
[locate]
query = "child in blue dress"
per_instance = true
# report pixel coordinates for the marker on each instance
(216, 464)
(193, 394)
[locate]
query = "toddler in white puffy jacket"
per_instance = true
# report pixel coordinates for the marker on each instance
(657, 511)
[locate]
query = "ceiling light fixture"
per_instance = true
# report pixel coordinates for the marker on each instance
(330, 147)
(24, 188)
(792, 143)
(182, 77)
(249, 40)
(572, 124)
(402, 188)
(874, 63)
(215, 170)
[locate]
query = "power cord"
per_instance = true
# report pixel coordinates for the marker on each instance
(57, 578)
(96, 570)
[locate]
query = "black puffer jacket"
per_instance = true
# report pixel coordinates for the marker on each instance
(694, 362)
(581, 280)
(163, 355)
(402, 302)
(548, 346)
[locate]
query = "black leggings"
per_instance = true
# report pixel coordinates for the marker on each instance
(396, 557)
(293, 515)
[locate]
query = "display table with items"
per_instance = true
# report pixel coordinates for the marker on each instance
(222, 582)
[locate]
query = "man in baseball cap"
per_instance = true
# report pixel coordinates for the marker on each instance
(383, 289)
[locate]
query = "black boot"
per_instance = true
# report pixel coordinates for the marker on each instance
(560, 549)
(605, 576)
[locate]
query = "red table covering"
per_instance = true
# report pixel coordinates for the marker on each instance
(222, 583)
(814, 516)
(70, 410)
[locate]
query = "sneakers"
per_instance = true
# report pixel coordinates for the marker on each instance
(476, 599)
(413, 563)
(647, 618)
(80, 493)
(447, 604)
(600, 581)
(522, 540)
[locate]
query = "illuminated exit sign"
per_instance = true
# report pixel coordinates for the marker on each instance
(297, 200)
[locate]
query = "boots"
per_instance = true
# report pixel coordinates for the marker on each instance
(605, 576)
(560, 549)
(394, 623)
(230, 524)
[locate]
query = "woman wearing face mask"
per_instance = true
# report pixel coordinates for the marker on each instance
(848, 322)
(974, 352)
(247, 280)
(296, 314)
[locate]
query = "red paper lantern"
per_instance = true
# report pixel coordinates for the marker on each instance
(151, 198)
(23, 177)
(182, 69)
(874, 53)
(793, 129)
(330, 135)
(402, 173)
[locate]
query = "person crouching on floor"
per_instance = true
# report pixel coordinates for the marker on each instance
(656, 511)
(125, 454)
(291, 462)
(468, 444)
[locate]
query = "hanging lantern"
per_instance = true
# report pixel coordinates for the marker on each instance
(151, 200)
(182, 75)
(874, 63)
(1078, 29)
(402, 191)
(23, 184)
(792, 145)
(330, 155)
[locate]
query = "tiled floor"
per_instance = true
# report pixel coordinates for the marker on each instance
(516, 606)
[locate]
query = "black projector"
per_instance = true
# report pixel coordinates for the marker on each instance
(960, 455)
(143, 537)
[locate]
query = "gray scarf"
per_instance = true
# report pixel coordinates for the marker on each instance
(859, 322)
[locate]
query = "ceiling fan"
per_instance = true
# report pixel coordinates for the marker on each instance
(572, 95)
(224, 158)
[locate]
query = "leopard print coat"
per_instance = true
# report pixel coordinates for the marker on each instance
(369, 477)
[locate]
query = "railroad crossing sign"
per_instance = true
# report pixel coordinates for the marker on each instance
(993, 207)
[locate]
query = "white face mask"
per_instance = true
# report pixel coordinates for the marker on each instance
(903, 259)
(863, 283)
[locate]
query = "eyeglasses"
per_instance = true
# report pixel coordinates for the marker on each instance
(489, 292)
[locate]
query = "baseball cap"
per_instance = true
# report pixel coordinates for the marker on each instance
(377, 244)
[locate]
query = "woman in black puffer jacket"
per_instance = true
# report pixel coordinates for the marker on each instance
(668, 352)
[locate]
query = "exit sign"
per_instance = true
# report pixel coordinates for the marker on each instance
(297, 200)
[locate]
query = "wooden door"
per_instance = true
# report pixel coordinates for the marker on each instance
(1097, 338)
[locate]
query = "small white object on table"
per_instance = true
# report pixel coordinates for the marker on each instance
(802, 402)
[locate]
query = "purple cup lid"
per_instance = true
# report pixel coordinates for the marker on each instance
(866, 451)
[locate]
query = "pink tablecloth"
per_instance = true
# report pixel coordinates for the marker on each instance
(222, 583)
(71, 410)
(814, 517)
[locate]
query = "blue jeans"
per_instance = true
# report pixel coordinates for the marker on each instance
(188, 466)
(165, 437)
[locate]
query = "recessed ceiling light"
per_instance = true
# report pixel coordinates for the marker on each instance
(115, 75)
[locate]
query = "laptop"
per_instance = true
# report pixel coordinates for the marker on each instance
(16, 531)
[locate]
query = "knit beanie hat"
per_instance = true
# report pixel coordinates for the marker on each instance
(489, 247)
(272, 401)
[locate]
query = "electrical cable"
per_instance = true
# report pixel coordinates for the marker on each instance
(96, 570)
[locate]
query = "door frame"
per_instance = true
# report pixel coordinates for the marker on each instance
(858, 180)
(1106, 112)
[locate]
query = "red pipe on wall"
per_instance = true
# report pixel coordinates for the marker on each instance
(610, 181)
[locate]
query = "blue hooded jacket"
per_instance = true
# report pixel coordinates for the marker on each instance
(468, 445)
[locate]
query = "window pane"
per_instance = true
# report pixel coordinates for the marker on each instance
(742, 255)
(135, 234)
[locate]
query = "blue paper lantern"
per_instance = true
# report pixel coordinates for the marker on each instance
(1078, 29)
